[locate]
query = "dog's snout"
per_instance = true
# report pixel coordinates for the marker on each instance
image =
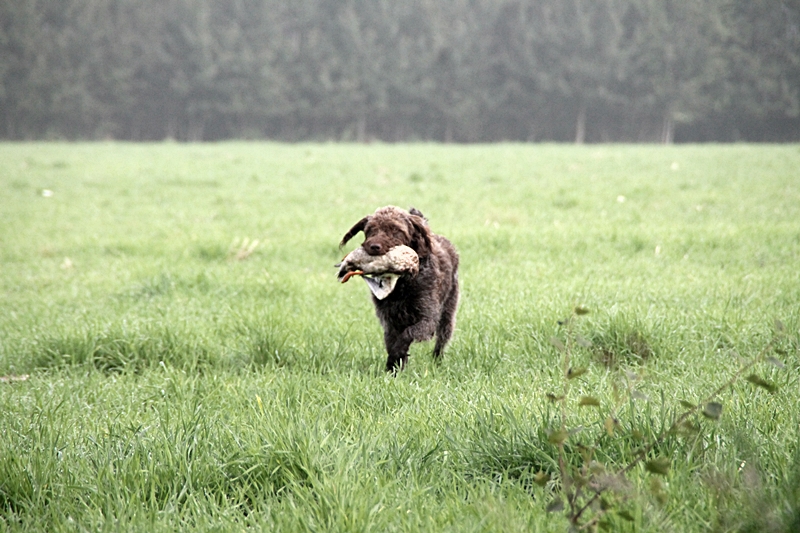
(373, 246)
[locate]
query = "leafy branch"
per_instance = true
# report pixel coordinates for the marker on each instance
(584, 487)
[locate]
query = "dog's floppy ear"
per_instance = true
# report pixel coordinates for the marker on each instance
(417, 212)
(359, 226)
(420, 235)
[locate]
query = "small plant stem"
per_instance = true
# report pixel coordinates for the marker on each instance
(565, 477)
(567, 363)
(590, 523)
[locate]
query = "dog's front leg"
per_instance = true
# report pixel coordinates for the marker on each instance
(397, 345)
(398, 356)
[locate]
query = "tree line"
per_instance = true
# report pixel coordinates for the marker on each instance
(361, 70)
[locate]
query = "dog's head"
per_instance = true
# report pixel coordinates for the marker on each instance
(391, 226)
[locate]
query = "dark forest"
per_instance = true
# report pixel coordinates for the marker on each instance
(416, 70)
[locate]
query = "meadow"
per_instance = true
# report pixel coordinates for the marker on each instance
(176, 353)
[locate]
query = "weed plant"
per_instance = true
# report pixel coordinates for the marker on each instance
(175, 352)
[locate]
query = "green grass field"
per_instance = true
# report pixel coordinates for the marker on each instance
(183, 375)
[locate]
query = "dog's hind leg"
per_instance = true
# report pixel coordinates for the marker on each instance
(447, 322)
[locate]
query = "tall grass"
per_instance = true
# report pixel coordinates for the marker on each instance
(194, 364)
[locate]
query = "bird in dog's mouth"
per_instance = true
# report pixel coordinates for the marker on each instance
(381, 272)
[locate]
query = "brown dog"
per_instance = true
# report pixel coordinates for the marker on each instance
(421, 305)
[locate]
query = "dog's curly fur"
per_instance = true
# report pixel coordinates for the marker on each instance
(422, 305)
